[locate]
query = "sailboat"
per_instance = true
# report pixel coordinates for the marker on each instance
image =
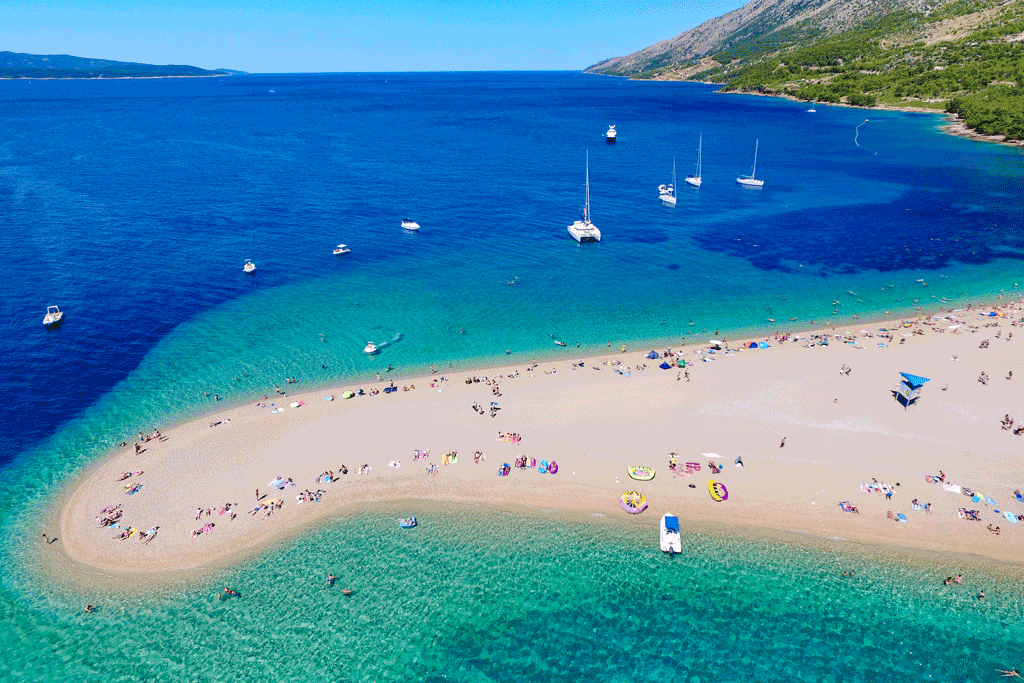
(695, 179)
(668, 194)
(583, 230)
(750, 180)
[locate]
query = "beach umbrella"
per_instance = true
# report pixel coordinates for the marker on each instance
(714, 342)
(764, 345)
(652, 355)
(664, 365)
(752, 345)
(348, 394)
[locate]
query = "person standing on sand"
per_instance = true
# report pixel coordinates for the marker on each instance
(781, 445)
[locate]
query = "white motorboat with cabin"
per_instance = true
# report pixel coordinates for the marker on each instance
(249, 266)
(610, 135)
(750, 180)
(53, 316)
(410, 224)
(668, 194)
(371, 348)
(583, 230)
(342, 249)
(695, 178)
(671, 540)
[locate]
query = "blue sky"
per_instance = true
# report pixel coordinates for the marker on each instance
(344, 35)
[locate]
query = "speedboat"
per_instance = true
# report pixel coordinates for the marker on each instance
(667, 193)
(342, 249)
(671, 541)
(812, 110)
(409, 224)
(583, 230)
(610, 135)
(53, 316)
(249, 266)
(371, 348)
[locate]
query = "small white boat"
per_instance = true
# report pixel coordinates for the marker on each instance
(812, 110)
(695, 178)
(750, 180)
(610, 135)
(342, 249)
(409, 224)
(583, 230)
(53, 316)
(671, 541)
(371, 348)
(668, 194)
(249, 266)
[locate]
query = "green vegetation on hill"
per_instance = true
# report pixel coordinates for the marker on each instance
(977, 76)
(963, 56)
(21, 65)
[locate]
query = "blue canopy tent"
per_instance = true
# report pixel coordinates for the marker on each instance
(910, 389)
(664, 365)
(652, 355)
(765, 345)
(752, 345)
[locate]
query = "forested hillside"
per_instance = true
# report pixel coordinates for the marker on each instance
(22, 65)
(961, 56)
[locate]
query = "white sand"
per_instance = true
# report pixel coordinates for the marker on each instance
(595, 423)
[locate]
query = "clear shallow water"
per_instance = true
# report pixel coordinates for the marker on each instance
(133, 205)
(483, 596)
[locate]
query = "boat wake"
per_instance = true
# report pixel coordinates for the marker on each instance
(394, 340)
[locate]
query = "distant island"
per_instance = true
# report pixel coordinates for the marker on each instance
(959, 56)
(22, 65)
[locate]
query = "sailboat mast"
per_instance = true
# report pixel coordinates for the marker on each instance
(673, 176)
(700, 153)
(586, 217)
(754, 174)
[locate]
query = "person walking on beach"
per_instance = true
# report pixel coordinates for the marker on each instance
(783, 444)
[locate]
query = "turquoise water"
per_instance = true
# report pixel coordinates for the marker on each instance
(488, 596)
(135, 205)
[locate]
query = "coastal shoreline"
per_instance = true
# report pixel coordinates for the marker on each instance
(587, 495)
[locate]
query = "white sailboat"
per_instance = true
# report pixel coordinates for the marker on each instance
(695, 179)
(583, 230)
(249, 266)
(750, 180)
(668, 194)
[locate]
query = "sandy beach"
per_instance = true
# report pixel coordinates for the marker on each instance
(843, 430)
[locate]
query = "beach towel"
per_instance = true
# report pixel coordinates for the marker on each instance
(989, 501)
(951, 488)
(902, 517)
(1010, 516)
(962, 513)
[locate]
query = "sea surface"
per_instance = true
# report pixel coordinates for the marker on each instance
(133, 205)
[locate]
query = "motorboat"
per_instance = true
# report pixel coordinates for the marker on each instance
(583, 230)
(342, 249)
(409, 224)
(812, 110)
(695, 178)
(671, 541)
(249, 266)
(750, 180)
(53, 316)
(610, 135)
(371, 348)
(667, 194)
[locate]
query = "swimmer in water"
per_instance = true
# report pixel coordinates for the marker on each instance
(1013, 673)
(347, 591)
(228, 593)
(331, 578)
(90, 609)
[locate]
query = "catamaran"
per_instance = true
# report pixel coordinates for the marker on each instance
(583, 230)
(695, 179)
(668, 194)
(750, 180)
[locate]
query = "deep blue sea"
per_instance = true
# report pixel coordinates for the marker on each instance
(133, 205)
